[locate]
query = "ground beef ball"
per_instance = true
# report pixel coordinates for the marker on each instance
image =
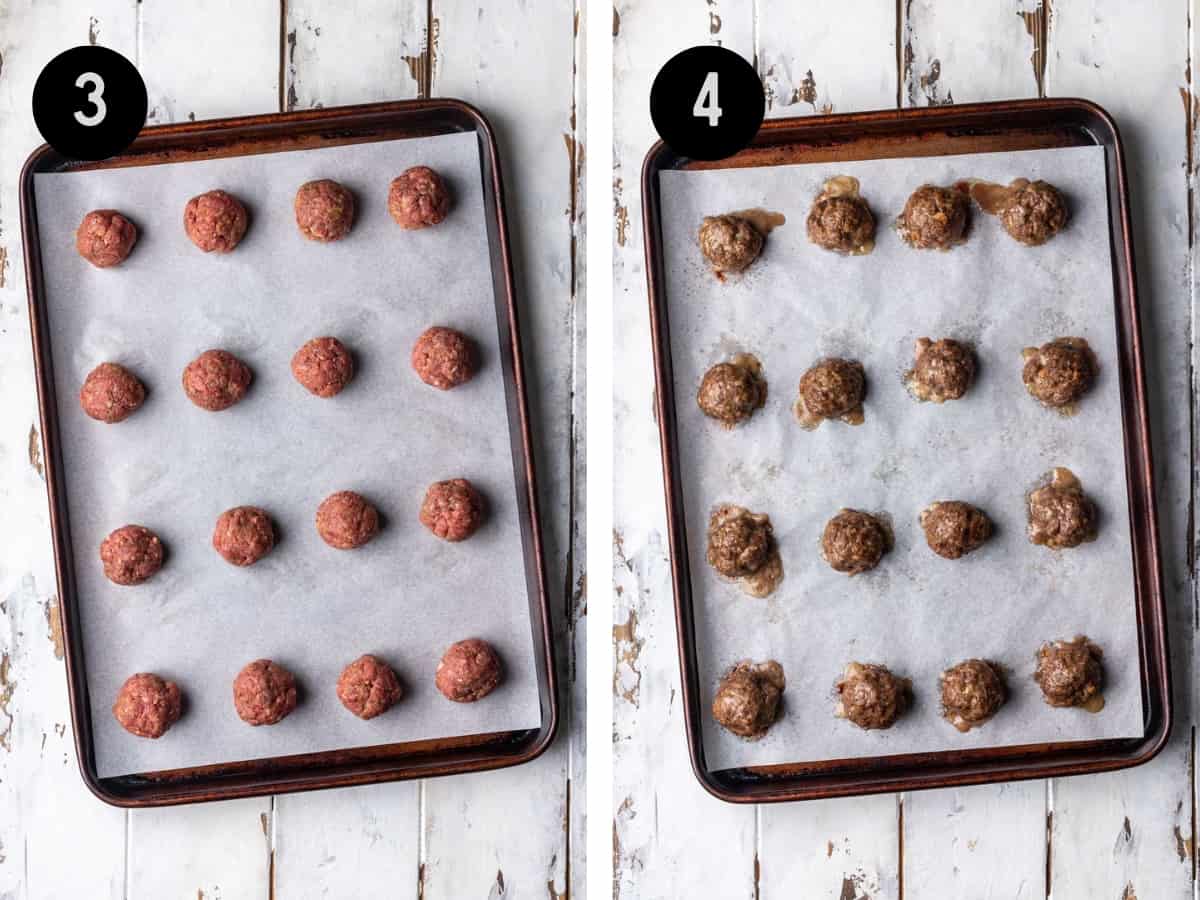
(324, 366)
(934, 218)
(870, 696)
(216, 379)
(1060, 514)
(953, 528)
(131, 555)
(345, 520)
(368, 687)
(972, 692)
(148, 705)
(111, 393)
(264, 692)
(943, 370)
(105, 238)
(747, 699)
(453, 509)
(468, 671)
(418, 198)
(832, 389)
(243, 535)
(215, 221)
(324, 210)
(730, 392)
(1034, 213)
(739, 541)
(1070, 672)
(854, 542)
(1060, 372)
(444, 358)
(841, 223)
(729, 243)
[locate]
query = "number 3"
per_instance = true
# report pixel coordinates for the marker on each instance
(95, 97)
(705, 106)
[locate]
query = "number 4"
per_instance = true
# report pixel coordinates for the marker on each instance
(706, 106)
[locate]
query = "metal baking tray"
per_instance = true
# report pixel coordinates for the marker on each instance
(244, 136)
(932, 131)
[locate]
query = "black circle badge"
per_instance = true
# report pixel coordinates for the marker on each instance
(89, 103)
(707, 103)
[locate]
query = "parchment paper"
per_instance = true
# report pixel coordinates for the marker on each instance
(174, 467)
(917, 613)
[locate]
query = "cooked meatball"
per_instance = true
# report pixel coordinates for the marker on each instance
(729, 243)
(832, 389)
(215, 221)
(943, 370)
(105, 238)
(934, 218)
(243, 535)
(854, 542)
(870, 696)
(1034, 213)
(324, 210)
(111, 393)
(842, 223)
(739, 541)
(216, 380)
(972, 692)
(1070, 672)
(731, 392)
(747, 700)
(324, 366)
(368, 687)
(1060, 514)
(418, 198)
(468, 671)
(444, 358)
(131, 555)
(453, 509)
(953, 528)
(345, 520)
(264, 692)
(1060, 372)
(148, 705)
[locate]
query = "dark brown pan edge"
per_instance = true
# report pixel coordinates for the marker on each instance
(370, 765)
(967, 128)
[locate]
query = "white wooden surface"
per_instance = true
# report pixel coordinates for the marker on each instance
(1122, 836)
(495, 835)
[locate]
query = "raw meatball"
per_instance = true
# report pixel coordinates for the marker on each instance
(453, 509)
(972, 692)
(729, 243)
(1060, 514)
(1034, 213)
(324, 210)
(943, 370)
(747, 700)
(148, 705)
(345, 520)
(216, 379)
(368, 687)
(469, 671)
(264, 692)
(324, 366)
(1060, 372)
(111, 393)
(730, 392)
(215, 221)
(105, 238)
(243, 535)
(832, 389)
(842, 223)
(444, 358)
(934, 218)
(739, 541)
(854, 541)
(1070, 672)
(870, 696)
(418, 198)
(131, 555)
(953, 528)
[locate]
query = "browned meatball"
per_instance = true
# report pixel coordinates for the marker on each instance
(1060, 514)
(444, 358)
(870, 696)
(368, 687)
(954, 528)
(854, 542)
(105, 238)
(832, 389)
(216, 380)
(1060, 372)
(1070, 672)
(215, 221)
(1034, 213)
(111, 393)
(148, 705)
(841, 223)
(418, 198)
(264, 692)
(324, 366)
(972, 692)
(468, 671)
(934, 218)
(453, 509)
(739, 541)
(943, 370)
(747, 700)
(131, 555)
(345, 520)
(243, 535)
(730, 392)
(324, 210)
(729, 243)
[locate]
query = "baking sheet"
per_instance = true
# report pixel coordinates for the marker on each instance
(174, 467)
(916, 613)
